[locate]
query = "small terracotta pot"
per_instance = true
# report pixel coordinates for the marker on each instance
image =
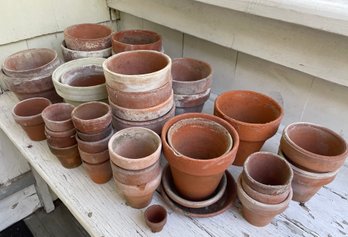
(87, 37)
(313, 147)
(136, 40)
(63, 134)
(99, 173)
(135, 148)
(57, 117)
(258, 213)
(69, 157)
(137, 71)
(193, 100)
(60, 142)
(155, 217)
(196, 179)
(255, 116)
(69, 54)
(91, 117)
(191, 76)
(95, 137)
(27, 114)
(94, 146)
(94, 158)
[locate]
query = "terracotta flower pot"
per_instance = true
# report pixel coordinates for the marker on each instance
(69, 54)
(191, 76)
(60, 142)
(91, 117)
(50, 95)
(94, 158)
(57, 117)
(95, 137)
(136, 40)
(155, 217)
(137, 71)
(63, 134)
(135, 148)
(69, 157)
(255, 116)
(87, 37)
(27, 114)
(99, 173)
(313, 147)
(196, 176)
(190, 103)
(94, 146)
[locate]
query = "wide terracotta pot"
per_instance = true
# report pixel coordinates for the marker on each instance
(69, 157)
(70, 54)
(137, 71)
(87, 37)
(313, 147)
(27, 114)
(136, 40)
(99, 173)
(197, 173)
(255, 116)
(57, 117)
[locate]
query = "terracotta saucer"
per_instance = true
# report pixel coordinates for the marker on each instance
(172, 193)
(225, 202)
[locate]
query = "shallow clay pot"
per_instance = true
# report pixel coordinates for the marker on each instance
(313, 147)
(94, 158)
(255, 116)
(91, 117)
(69, 54)
(190, 76)
(87, 37)
(140, 100)
(99, 173)
(155, 217)
(135, 148)
(196, 176)
(62, 134)
(57, 117)
(137, 71)
(60, 142)
(27, 114)
(69, 157)
(258, 213)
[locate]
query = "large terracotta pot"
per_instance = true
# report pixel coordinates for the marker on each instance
(70, 54)
(255, 116)
(197, 174)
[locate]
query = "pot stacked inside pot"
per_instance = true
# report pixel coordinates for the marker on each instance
(192, 81)
(28, 73)
(60, 133)
(135, 160)
(139, 88)
(93, 123)
(315, 154)
(86, 41)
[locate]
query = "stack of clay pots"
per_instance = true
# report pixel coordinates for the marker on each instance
(192, 81)
(255, 116)
(199, 148)
(139, 86)
(134, 154)
(264, 187)
(93, 123)
(60, 133)
(28, 73)
(81, 80)
(86, 41)
(316, 154)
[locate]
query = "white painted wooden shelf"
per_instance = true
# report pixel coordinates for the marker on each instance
(102, 211)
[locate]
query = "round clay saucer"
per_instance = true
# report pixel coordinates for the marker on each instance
(220, 206)
(173, 194)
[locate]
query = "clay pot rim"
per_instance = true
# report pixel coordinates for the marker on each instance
(201, 95)
(45, 118)
(82, 152)
(139, 76)
(62, 148)
(116, 34)
(309, 153)
(154, 166)
(92, 143)
(139, 92)
(94, 120)
(30, 117)
(207, 78)
(62, 134)
(67, 31)
(63, 46)
(275, 103)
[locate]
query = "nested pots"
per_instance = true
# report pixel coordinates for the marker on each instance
(70, 54)
(255, 116)
(95, 145)
(57, 117)
(69, 157)
(191, 103)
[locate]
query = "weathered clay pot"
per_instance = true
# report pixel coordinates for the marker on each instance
(136, 40)
(94, 158)
(27, 113)
(60, 142)
(63, 134)
(255, 116)
(191, 76)
(104, 135)
(91, 117)
(69, 54)
(84, 77)
(135, 148)
(190, 103)
(140, 100)
(196, 176)
(154, 124)
(87, 37)
(155, 217)
(50, 94)
(69, 157)
(99, 173)
(57, 117)
(313, 147)
(137, 71)
(258, 213)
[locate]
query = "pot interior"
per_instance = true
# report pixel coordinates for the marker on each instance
(186, 69)
(84, 76)
(137, 37)
(88, 31)
(30, 107)
(91, 111)
(58, 112)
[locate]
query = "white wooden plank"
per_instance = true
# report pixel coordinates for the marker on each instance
(43, 192)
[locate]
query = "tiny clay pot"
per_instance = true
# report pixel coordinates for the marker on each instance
(94, 146)
(60, 142)
(57, 117)
(91, 117)
(99, 173)
(155, 217)
(136, 40)
(313, 147)
(94, 158)
(27, 114)
(70, 54)
(255, 116)
(69, 157)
